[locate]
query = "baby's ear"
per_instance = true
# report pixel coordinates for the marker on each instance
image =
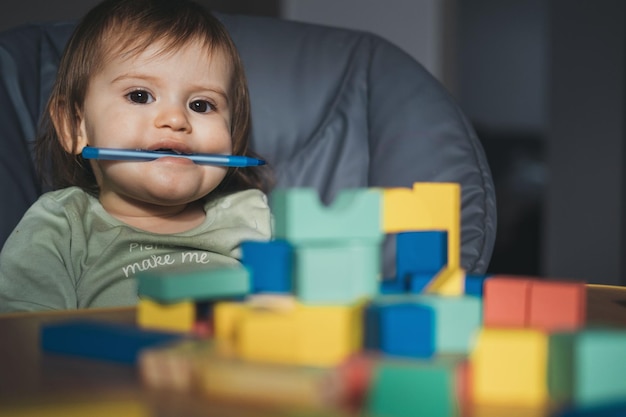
(69, 126)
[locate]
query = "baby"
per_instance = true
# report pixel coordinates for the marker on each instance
(156, 75)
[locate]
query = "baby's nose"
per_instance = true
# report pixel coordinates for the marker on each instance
(173, 117)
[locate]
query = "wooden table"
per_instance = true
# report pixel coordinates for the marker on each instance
(36, 384)
(27, 375)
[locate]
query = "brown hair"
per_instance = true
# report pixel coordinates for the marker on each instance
(130, 26)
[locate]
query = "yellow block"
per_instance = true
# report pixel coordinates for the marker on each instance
(329, 334)
(305, 335)
(226, 318)
(178, 317)
(428, 206)
(449, 281)
(269, 384)
(267, 336)
(509, 367)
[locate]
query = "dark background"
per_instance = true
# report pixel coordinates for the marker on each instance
(543, 83)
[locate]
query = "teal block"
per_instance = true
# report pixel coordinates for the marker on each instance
(457, 319)
(409, 389)
(336, 272)
(300, 217)
(195, 284)
(588, 368)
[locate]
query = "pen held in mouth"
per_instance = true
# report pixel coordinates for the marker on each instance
(142, 155)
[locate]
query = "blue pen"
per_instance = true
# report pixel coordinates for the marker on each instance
(141, 155)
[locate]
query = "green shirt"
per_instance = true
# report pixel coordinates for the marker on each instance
(67, 252)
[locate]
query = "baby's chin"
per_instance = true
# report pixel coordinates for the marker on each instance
(172, 193)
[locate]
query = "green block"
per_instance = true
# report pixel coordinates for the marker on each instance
(561, 366)
(588, 367)
(412, 388)
(457, 319)
(195, 284)
(336, 272)
(300, 216)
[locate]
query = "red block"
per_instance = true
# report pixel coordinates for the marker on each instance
(464, 388)
(557, 305)
(506, 301)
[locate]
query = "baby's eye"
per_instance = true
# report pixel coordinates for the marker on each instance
(140, 97)
(201, 106)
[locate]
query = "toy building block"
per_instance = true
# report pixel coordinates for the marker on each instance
(271, 385)
(199, 367)
(100, 340)
(421, 252)
(194, 284)
(611, 409)
(337, 272)
(356, 375)
(329, 334)
(300, 217)
(557, 305)
(400, 328)
(227, 316)
(464, 387)
(393, 285)
(419, 282)
(449, 281)
(422, 325)
(501, 410)
(240, 325)
(510, 367)
(428, 206)
(474, 284)
(175, 317)
(506, 301)
(457, 321)
(268, 336)
(306, 335)
(174, 366)
(270, 264)
(587, 367)
(273, 302)
(407, 389)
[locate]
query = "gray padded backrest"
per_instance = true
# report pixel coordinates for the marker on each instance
(331, 109)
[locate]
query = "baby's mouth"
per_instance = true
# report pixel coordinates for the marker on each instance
(170, 151)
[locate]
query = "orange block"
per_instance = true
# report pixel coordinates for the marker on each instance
(506, 301)
(557, 305)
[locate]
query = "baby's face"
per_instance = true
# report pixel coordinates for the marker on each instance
(177, 101)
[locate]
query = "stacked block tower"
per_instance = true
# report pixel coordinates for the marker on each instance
(307, 319)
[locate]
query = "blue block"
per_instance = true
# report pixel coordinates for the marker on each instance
(474, 284)
(99, 340)
(418, 282)
(393, 286)
(400, 329)
(270, 264)
(421, 252)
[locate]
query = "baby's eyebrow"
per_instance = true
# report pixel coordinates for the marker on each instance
(134, 76)
(213, 89)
